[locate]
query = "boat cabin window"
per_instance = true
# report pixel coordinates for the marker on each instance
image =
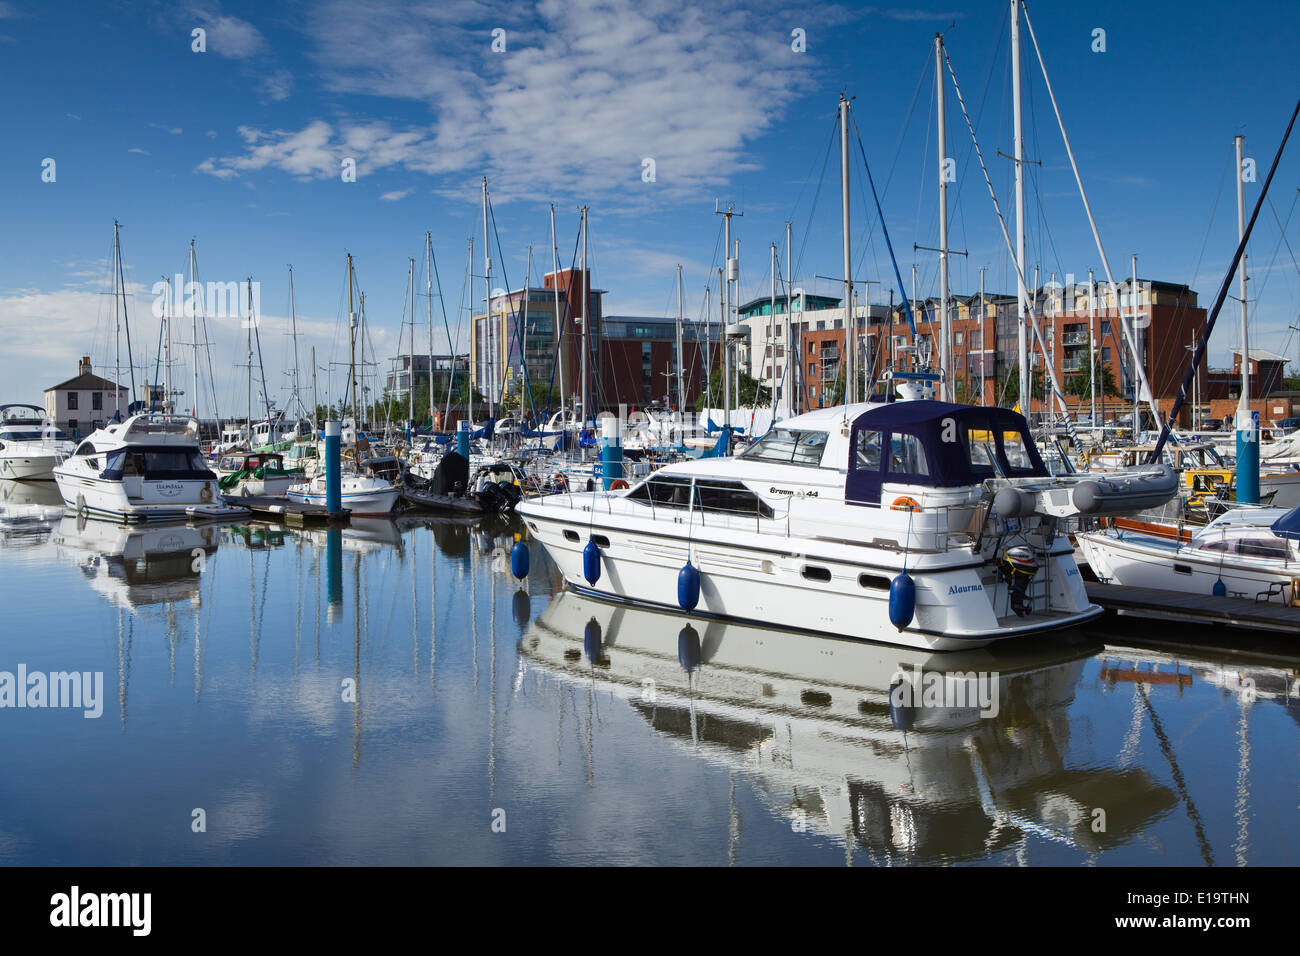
(665, 491)
(789, 446)
(867, 449)
(1013, 447)
(907, 456)
(85, 448)
(730, 497)
(1261, 548)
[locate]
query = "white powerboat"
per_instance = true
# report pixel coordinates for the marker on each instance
(1247, 551)
(147, 468)
(30, 446)
(360, 494)
(920, 523)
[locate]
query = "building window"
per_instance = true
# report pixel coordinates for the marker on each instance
(958, 339)
(72, 427)
(72, 401)
(97, 401)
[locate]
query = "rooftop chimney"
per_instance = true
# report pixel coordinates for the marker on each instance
(84, 367)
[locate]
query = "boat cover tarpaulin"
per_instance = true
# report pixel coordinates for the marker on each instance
(1287, 526)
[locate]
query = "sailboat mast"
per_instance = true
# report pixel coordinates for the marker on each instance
(352, 352)
(428, 291)
(1092, 345)
(561, 355)
(681, 355)
(410, 381)
(194, 328)
(586, 328)
(1243, 411)
(293, 325)
(1137, 356)
(771, 331)
(167, 347)
(792, 369)
(523, 345)
(487, 294)
(1019, 142)
(469, 386)
(850, 375)
(948, 381)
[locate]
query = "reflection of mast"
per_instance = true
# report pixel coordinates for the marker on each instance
(492, 687)
(124, 638)
(356, 664)
(1243, 781)
(1167, 749)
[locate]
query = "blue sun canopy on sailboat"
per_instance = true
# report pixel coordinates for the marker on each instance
(1287, 526)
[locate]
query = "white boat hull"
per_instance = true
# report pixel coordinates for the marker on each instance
(759, 578)
(361, 496)
(1144, 561)
(23, 467)
(1287, 488)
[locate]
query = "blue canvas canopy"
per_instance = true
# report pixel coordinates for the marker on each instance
(1287, 526)
(937, 444)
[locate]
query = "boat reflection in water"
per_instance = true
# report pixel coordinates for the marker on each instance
(139, 566)
(906, 754)
(28, 510)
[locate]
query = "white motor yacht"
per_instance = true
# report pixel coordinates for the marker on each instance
(920, 523)
(147, 468)
(30, 446)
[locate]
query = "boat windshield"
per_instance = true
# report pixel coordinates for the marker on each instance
(52, 434)
(789, 447)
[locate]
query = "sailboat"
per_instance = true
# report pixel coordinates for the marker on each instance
(361, 493)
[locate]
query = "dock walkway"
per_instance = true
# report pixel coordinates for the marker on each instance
(1154, 604)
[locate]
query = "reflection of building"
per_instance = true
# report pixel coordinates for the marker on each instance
(832, 744)
(82, 404)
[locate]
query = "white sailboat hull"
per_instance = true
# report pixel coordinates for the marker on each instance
(1146, 561)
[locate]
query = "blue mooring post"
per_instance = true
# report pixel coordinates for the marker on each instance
(462, 439)
(611, 453)
(1247, 457)
(333, 478)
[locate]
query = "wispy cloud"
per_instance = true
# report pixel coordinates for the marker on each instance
(278, 85)
(137, 149)
(226, 35)
(597, 88)
(396, 194)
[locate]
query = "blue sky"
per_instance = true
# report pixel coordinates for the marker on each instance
(239, 147)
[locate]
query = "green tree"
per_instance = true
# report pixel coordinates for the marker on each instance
(1080, 385)
(752, 394)
(1009, 386)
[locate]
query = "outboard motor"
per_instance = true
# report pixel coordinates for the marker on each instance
(1017, 568)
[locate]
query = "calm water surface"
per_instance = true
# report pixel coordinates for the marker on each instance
(389, 695)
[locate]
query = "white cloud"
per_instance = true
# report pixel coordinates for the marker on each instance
(278, 85)
(142, 152)
(230, 36)
(584, 93)
(396, 194)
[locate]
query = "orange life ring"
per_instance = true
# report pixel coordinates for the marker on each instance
(618, 484)
(905, 503)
